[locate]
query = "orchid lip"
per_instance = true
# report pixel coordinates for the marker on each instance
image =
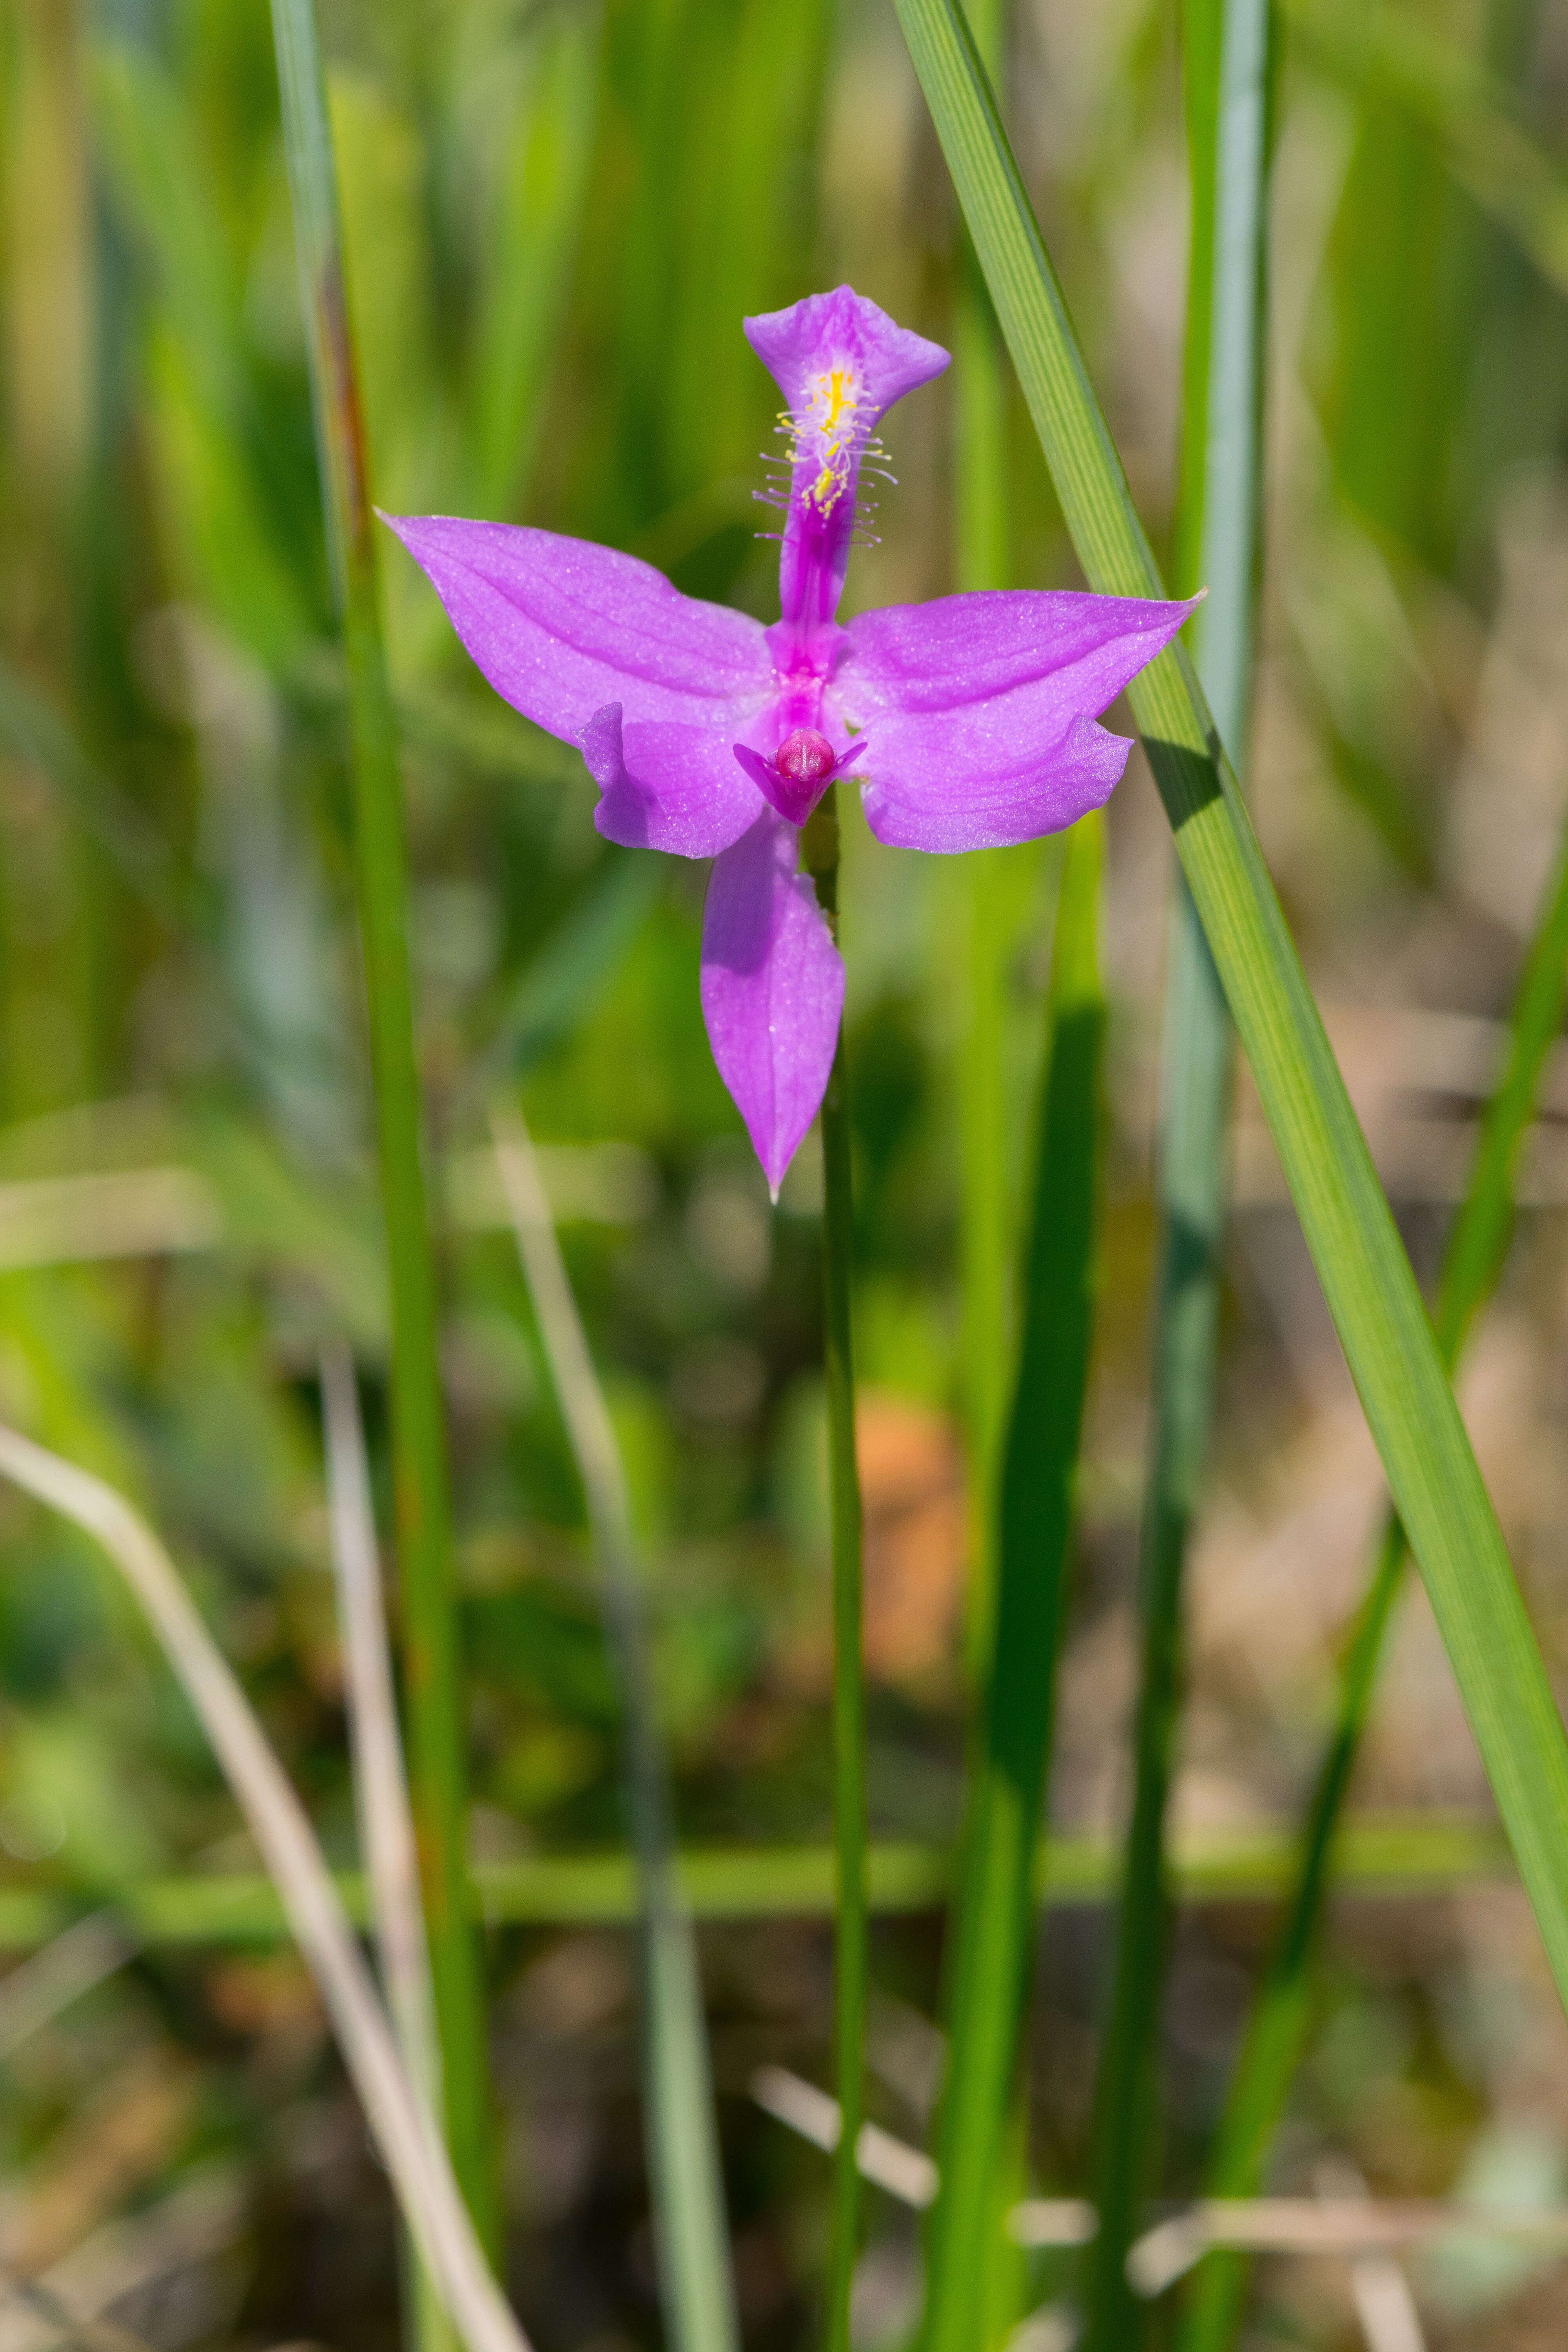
(794, 796)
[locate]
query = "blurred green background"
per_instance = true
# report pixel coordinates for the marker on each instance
(556, 215)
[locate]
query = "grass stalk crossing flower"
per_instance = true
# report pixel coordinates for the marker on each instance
(1362, 1265)
(983, 561)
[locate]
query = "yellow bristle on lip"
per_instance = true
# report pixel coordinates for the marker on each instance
(835, 389)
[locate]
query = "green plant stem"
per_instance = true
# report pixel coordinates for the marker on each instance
(980, 453)
(994, 1929)
(852, 1946)
(1281, 2016)
(1226, 57)
(1366, 1278)
(432, 1673)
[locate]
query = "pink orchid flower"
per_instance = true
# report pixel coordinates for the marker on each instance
(968, 723)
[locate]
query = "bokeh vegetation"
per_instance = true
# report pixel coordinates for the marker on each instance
(556, 215)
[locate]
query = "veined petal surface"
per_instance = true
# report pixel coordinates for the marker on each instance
(983, 706)
(667, 786)
(772, 989)
(562, 629)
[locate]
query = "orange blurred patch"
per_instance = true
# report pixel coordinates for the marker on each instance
(912, 1489)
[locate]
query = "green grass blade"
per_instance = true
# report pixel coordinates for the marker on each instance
(1226, 66)
(980, 456)
(1362, 1265)
(437, 1715)
(1281, 2016)
(994, 1928)
(852, 1908)
(695, 2277)
(1380, 1856)
(526, 278)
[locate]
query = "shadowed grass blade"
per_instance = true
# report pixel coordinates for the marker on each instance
(994, 1929)
(1362, 1265)
(423, 2178)
(697, 2289)
(437, 1716)
(1277, 2031)
(1226, 45)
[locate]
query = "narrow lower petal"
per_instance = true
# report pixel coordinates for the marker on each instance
(773, 990)
(667, 787)
(982, 710)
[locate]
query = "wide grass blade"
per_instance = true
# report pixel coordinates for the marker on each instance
(437, 1717)
(1365, 1275)
(421, 2174)
(852, 1905)
(695, 2275)
(993, 1929)
(1281, 2017)
(1225, 59)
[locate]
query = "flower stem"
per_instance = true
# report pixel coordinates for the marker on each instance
(438, 1768)
(852, 1905)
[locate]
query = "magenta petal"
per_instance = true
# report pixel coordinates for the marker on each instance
(982, 708)
(773, 990)
(562, 627)
(957, 801)
(666, 787)
(828, 331)
(792, 801)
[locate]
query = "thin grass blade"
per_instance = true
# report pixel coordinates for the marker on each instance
(1382, 1857)
(421, 2172)
(980, 456)
(696, 2278)
(993, 1931)
(433, 1671)
(1360, 1263)
(385, 1816)
(1225, 59)
(1277, 2031)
